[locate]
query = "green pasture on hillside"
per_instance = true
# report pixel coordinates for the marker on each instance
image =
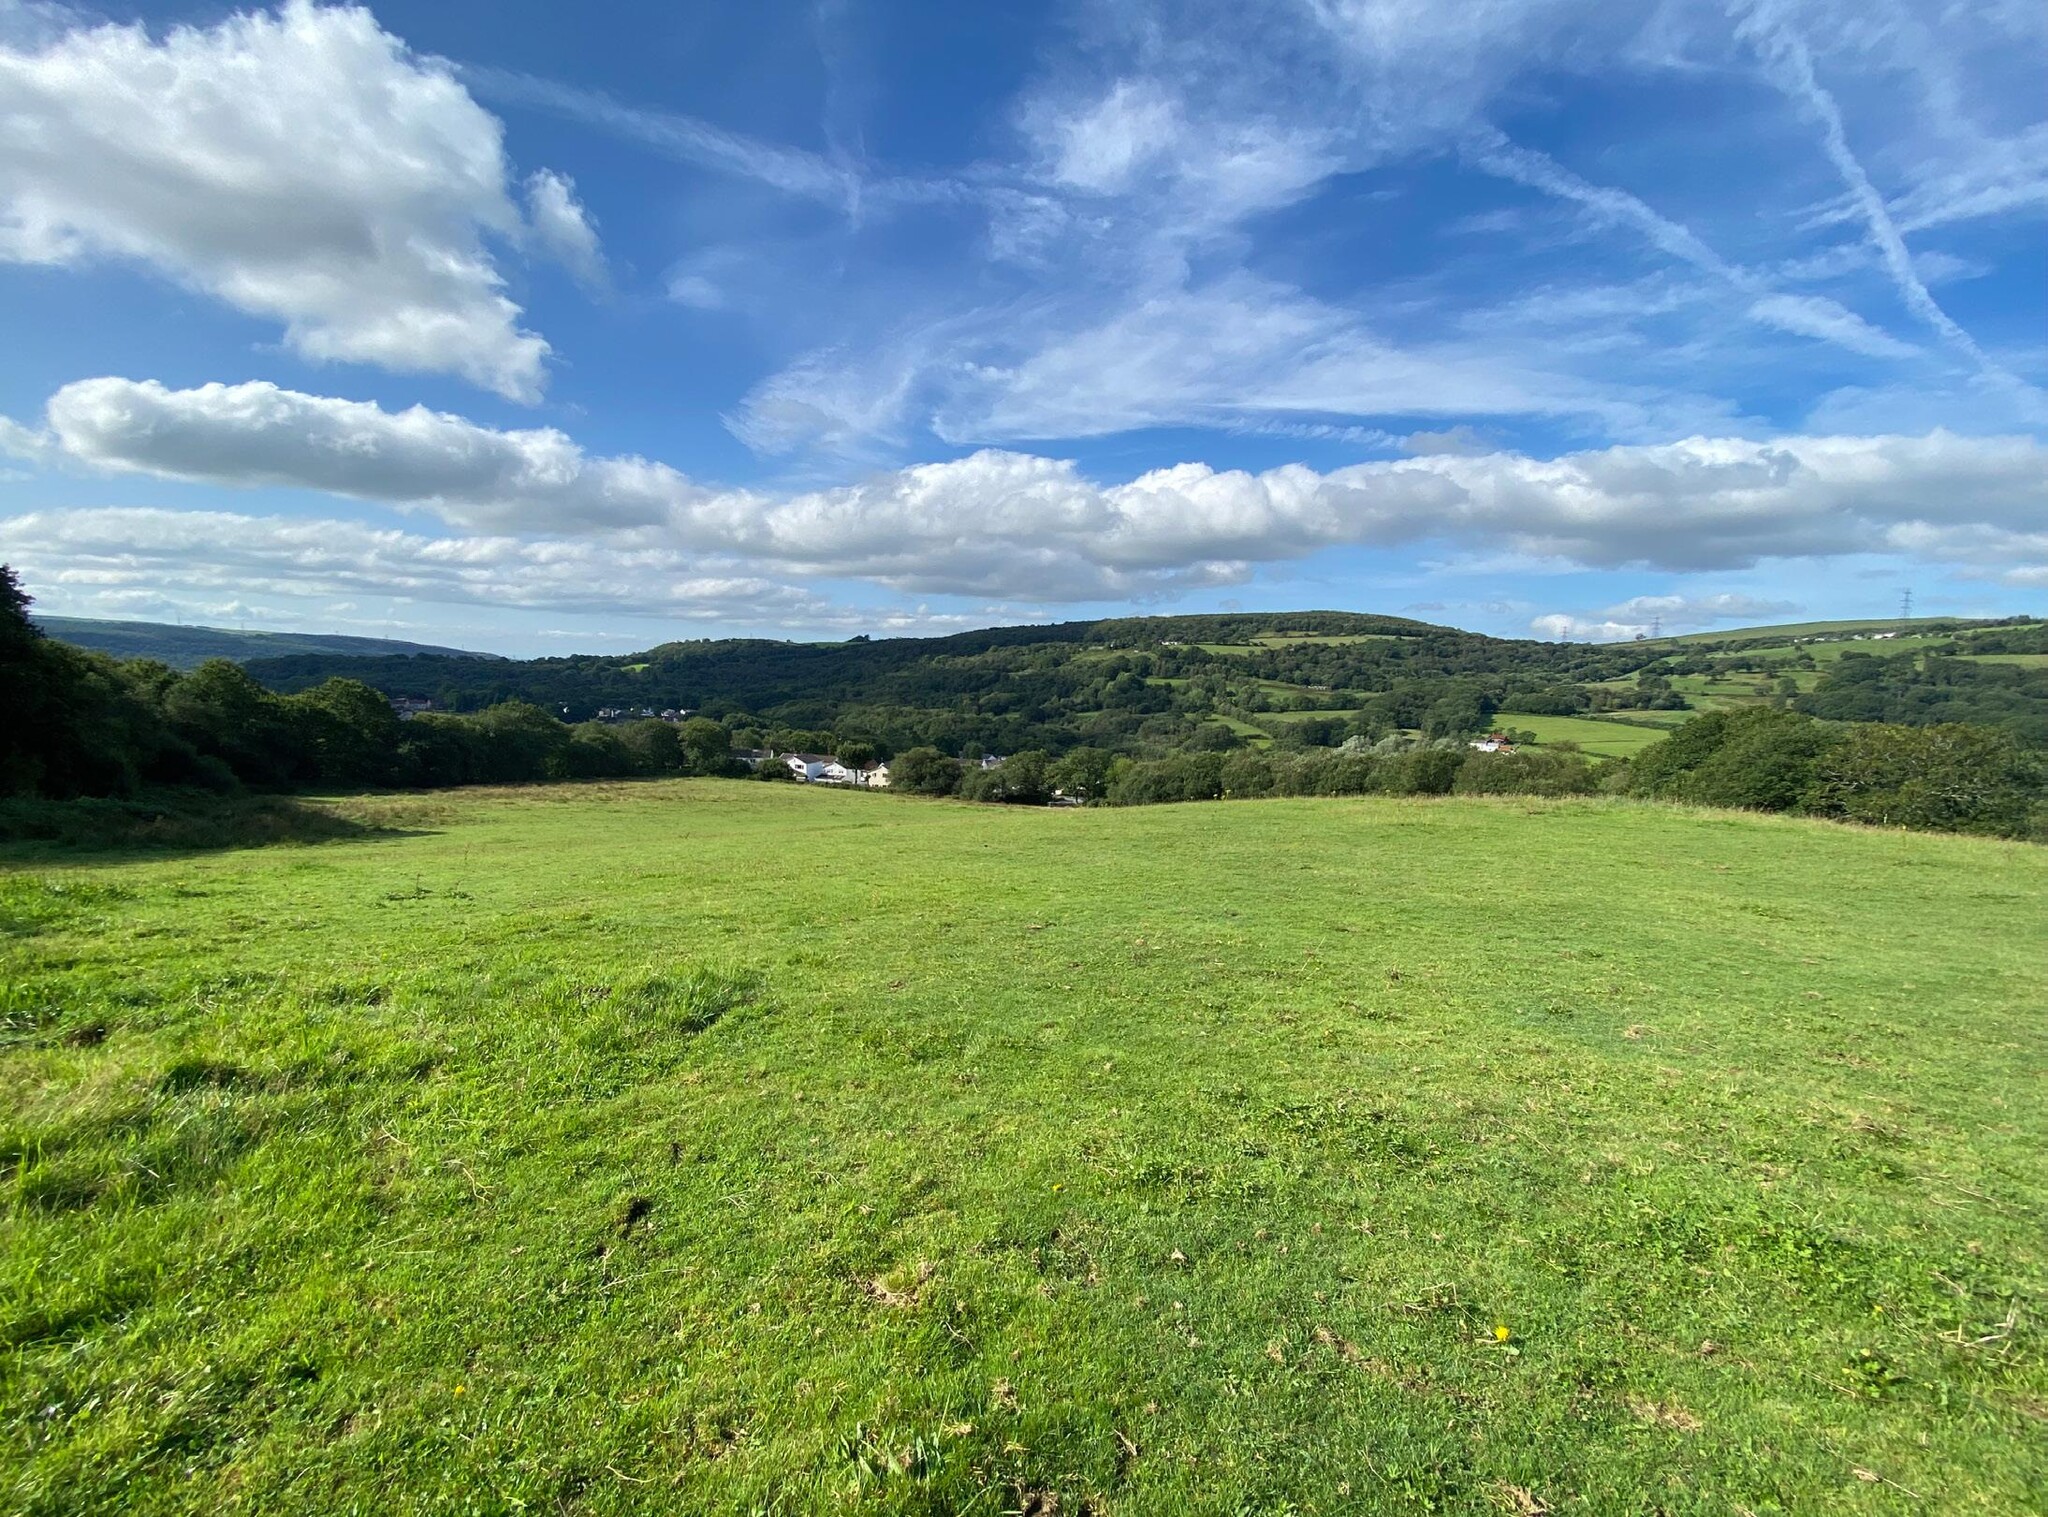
(1244, 729)
(724, 1147)
(1828, 653)
(1296, 639)
(1605, 739)
(1792, 629)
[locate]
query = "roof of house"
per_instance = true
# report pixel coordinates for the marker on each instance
(812, 758)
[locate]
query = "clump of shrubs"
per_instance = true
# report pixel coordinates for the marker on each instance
(1951, 778)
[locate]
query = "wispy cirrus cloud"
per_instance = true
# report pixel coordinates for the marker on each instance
(677, 135)
(1159, 154)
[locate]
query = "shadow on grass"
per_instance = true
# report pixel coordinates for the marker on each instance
(170, 823)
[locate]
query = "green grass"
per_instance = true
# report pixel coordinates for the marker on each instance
(1332, 639)
(1789, 629)
(1606, 739)
(1243, 728)
(1827, 653)
(2025, 660)
(1295, 639)
(715, 1147)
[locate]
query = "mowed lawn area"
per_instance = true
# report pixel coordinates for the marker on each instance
(719, 1147)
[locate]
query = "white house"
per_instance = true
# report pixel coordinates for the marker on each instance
(874, 777)
(817, 768)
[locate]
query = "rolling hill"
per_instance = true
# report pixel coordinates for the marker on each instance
(185, 647)
(1152, 684)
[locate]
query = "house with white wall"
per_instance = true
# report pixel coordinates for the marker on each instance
(817, 769)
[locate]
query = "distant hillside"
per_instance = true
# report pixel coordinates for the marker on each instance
(189, 647)
(1787, 631)
(1151, 685)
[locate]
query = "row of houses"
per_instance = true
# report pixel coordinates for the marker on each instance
(824, 769)
(817, 768)
(640, 714)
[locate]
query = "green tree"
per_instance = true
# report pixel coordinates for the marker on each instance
(29, 696)
(1083, 773)
(655, 746)
(227, 715)
(1456, 715)
(437, 749)
(1948, 778)
(594, 752)
(1543, 772)
(351, 731)
(1247, 773)
(521, 742)
(925, 771)
(1759, 758)
(1022, 779)
(706, 746)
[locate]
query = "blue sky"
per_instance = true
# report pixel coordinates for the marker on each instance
(553, 329)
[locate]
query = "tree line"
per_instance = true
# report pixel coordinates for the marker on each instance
(82, 724)
(1945, 778)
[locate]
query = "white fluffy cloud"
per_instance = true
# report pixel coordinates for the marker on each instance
(114, 551)
(304, 167)
(1008, 524)
(1645, 615)
(257, 434)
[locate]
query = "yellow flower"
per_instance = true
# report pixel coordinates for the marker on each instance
(1501, 1333)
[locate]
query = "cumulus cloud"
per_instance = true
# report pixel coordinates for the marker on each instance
(1009, 524)
(17, 441)
(1702, 610)
(114, 551)
(1646, 615)
(304, 167)
(258, 434)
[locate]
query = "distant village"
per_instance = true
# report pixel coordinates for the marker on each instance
(824, 769)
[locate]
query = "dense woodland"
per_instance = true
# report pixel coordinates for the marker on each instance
(1114, 712)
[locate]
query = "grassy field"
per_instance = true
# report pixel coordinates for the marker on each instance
(718, 1147)
(1606, 739)
(1791, 629)
(1297, 639)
